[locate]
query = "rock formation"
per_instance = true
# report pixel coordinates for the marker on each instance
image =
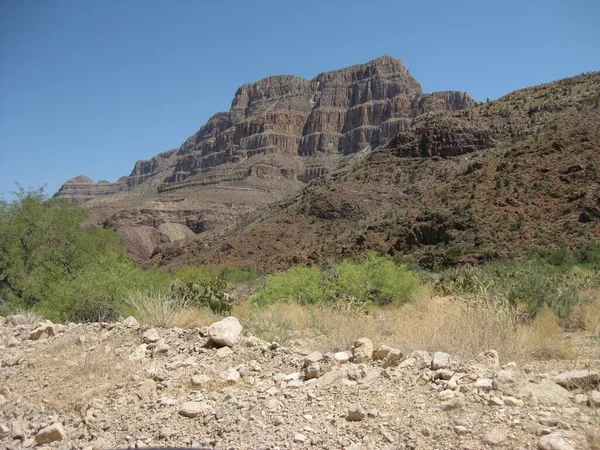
(287, 127)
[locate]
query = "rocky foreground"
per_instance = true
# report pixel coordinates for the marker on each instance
(118, 385)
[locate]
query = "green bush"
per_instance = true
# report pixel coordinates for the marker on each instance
(299, 284)
(375, 280)
(52, 264)
(209, 295)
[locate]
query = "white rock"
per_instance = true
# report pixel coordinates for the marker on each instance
(52, 433)
(139, 353)
(17, 319)
(130, 322)
(4, 430)
(313, 357)
(313, 370)
(483, 384)
(295, 384)
(147, 389)
(562, 440)
(341, 357)
(225, 332)
(356, 413)
(446, 394)
(161, 348)
(224, 352)
(299, 437)
(230, 376)
(495, 401)
(392, 359)
(150, 336)
(362, 351)
(440, 360)
(493, 437)
(546, 392)
(594, 399)
(513, 402)
(3, 400)
(577, 379)
(194, 409)
(381, 352)
(200, 380)
(489, 358)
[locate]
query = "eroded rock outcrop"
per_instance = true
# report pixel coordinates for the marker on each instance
(293, 123)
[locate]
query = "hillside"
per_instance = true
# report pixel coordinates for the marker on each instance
(491, 180)
(280, 133)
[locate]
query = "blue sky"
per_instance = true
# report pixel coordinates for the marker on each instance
(89, 87)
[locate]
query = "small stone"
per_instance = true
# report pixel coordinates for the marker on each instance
(441, 360)
(130, 322)
(495, 401)
(295, 384)
(224, 352)
(381, 352)
(562, 440)
(577, 379)
(17, 319)
(461, 430)
(594, 399)
(356, 413)
(12, 342)
(200, 380)
(313, 370)
(278, 420)
(493, 437)
(230, 376)
(421, 357)
(446, 394)
(139, 353)
(313, 357)
(392, 359)
(299, 437)
(4, 430)
(150, 336)
(389, 437)
(489, 358)
(455, 403)
(225, 332)
(17, 431)
(483, 384)
(341, 357)
(513, 402)
(194, 409)
(161, 348)
(147, 388)
(362, 351)
(3, 400)
(52, 433)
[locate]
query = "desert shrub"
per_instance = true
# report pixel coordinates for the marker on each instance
(299, 284)
(529, 286)
(375, 280)
(52, 264)
(209, 294)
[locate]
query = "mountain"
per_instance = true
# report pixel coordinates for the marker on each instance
(280, 133)
(492, 180)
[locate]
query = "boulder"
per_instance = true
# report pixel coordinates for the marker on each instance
(150, 336)
(381, 352)
(225, 332)
(194, 409)
(546, 392)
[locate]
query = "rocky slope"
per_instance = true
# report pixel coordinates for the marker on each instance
(492, 180)
(118, 385)
(280, 132)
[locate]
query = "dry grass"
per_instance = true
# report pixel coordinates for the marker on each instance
(587, 316)
(75, 373)
(462, 328)
(161, 310)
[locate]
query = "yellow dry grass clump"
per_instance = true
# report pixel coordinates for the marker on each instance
(463, 328)
(159, 309)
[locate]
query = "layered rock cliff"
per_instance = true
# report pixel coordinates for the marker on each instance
(287, 128)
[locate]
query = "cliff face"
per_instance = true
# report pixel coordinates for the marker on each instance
(289, 128)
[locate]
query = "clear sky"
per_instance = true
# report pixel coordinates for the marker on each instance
(89, 87)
